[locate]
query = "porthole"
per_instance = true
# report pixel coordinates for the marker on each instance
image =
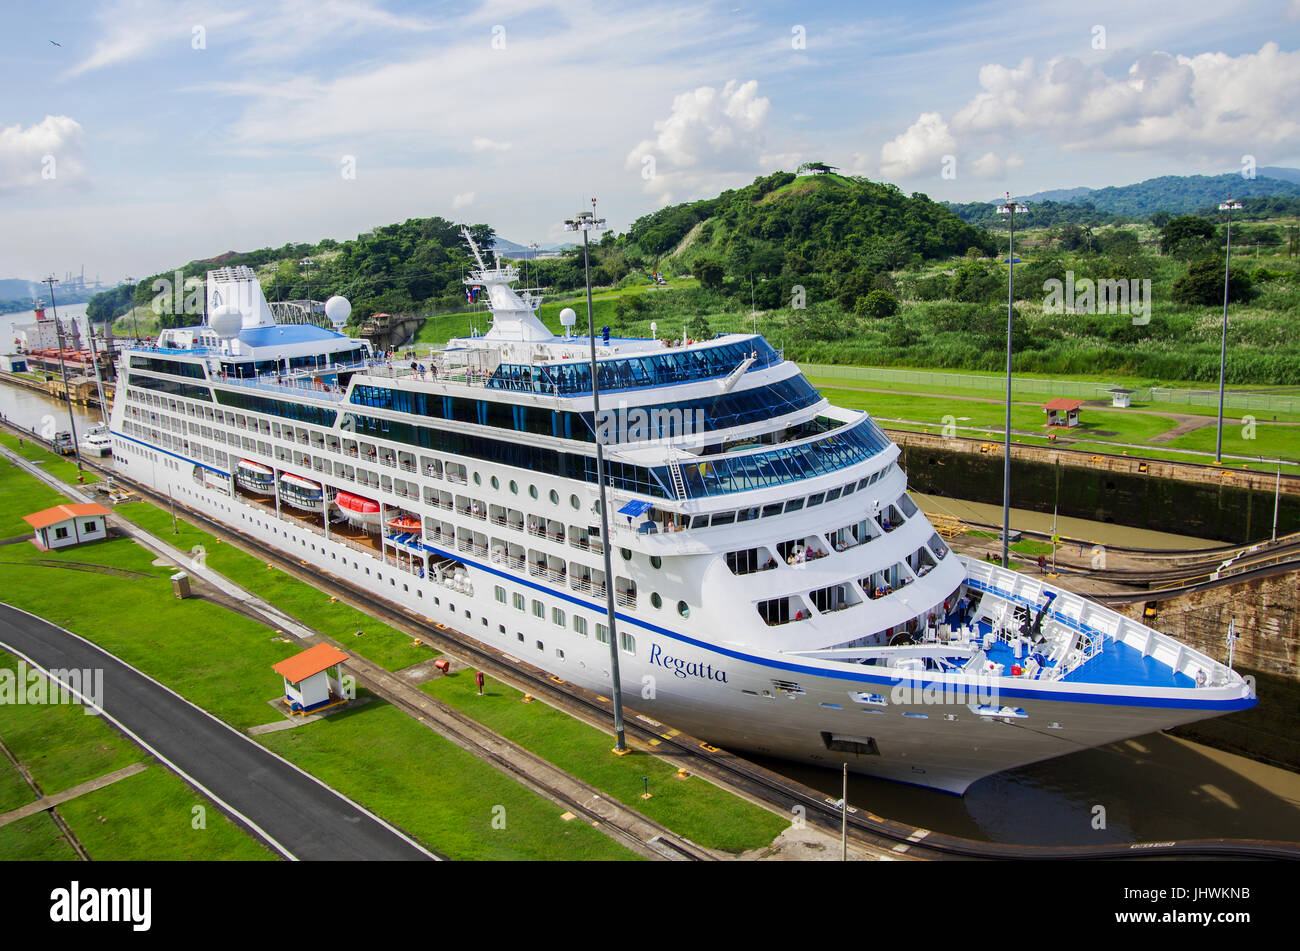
(656, 562)
(555, 497)
(683, 609)
(626, 553)
(575, 502)
(514, 487)
(532, 491)
(478, 479)
(655, 601)
(496, 483)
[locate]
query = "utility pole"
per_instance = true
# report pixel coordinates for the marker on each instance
(63, 370)
(586, 222)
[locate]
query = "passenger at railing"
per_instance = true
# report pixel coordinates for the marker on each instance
(771, 563)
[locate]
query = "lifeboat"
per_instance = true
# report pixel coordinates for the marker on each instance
(405, 523)
(359, 510)
(255, 477)
(301, 493)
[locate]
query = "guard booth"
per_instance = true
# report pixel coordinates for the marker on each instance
(1120, 398)
(307, 682)
(69, 524)
(1063, 412)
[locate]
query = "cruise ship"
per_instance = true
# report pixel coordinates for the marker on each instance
(777, 589)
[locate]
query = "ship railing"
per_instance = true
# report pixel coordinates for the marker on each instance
(537, 571)
(350, 452)
(500, 520)
(513, 562)
(537, 530)
(554, 575)
(623, 599)
(407, 466)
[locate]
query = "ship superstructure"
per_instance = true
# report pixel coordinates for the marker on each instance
(777, 588)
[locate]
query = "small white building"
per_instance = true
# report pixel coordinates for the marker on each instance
(13, 363)
(307, 681)
(66, 525)
(1120, 397)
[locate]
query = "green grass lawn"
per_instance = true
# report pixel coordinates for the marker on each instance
(436, 791)
(692, 807)
(380, 643)
(61, 467)
(145, 816)
(222, 662)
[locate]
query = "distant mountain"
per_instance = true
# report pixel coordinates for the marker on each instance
(15, 288)
(516, 250)
(1286, 174)
(1058, 194)
(1179, 194)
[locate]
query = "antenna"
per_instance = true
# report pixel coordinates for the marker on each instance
(473, 247)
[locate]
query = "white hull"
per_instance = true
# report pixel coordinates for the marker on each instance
(945, 746)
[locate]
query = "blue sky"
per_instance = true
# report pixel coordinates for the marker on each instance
(158, 132)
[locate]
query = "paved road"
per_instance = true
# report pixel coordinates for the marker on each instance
(301, 817)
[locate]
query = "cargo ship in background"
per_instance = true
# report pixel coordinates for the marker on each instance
(777, 589)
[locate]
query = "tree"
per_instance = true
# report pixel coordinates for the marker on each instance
(1203, 284)
(697, 328)
(857, 283)
(1184, 228)
(876, 304)
(709, 271)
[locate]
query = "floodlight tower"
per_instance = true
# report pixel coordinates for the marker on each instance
(1010, 209)
(586, 222)
(1229, 206)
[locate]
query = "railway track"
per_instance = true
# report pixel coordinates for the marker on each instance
(750, 780)
(1208, 567)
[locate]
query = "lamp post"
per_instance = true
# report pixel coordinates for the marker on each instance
(63, 370)
(586, 222)
(1010, 209)
(1229, 206)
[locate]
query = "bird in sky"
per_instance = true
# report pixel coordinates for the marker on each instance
(59, 45)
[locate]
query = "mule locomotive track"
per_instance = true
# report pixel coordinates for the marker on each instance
(750, 780)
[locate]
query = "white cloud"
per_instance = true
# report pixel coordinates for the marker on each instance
(922, 146)
(484, 144)
(265, 31)
(463, 200)
(990, 165)
(709, 135)
(1163, 103)
(48, 151)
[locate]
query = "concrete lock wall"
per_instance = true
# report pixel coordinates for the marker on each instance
(1230, 506)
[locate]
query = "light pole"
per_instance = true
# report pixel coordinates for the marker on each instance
(63, 369)
(1010, 209)
(1229, 206)
(586, 222)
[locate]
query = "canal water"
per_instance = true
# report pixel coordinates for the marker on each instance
(1152, 788)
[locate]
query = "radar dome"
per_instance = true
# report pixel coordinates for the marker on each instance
(337, 309)
(226, 321)
(567, 317)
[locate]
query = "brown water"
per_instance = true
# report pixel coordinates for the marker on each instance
(1153, 788)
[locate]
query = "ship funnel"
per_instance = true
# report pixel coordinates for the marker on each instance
(237, 287)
